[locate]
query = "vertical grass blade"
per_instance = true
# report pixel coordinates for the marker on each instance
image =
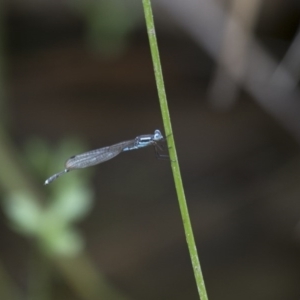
(172, 150)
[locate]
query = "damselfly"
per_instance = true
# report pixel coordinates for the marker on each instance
(101, 155)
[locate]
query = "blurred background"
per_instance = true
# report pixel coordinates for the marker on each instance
(77, 75)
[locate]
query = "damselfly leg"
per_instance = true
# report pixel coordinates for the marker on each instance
(158, 149)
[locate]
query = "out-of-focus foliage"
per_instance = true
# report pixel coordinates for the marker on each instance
(109, 23)
(51, 223)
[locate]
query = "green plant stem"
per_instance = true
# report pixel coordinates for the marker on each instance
(172, 150)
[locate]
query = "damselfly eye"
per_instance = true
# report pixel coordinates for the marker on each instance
(157, 135)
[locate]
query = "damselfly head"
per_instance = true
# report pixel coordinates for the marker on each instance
(157, 136)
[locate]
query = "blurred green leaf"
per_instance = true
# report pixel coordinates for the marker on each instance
(24, 212)
(73, 201)
(65, 241)
(109, 23)
(70, 200)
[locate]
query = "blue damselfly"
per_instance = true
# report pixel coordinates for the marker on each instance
(101, 155)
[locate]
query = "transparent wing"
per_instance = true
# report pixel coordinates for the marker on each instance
(97, 156)
(91, 158)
